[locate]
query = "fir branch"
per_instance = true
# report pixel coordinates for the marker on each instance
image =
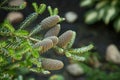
(35, 6)
(41, 8)
(59, 50)
(21, 50)
(14, 8)
(35, 30)
(28, 20)
(82, 49)
(77, 58)
(13, 45)
(71, 42)
(50, 10)
(5, 32)
(55, 11)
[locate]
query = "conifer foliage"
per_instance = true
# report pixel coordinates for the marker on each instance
(20, 49)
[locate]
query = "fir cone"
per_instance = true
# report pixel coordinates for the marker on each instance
(54, 39)
(53, 31)
(46, 23)
(49, 22)
(52, 64)
(45, 44)
(65, 38)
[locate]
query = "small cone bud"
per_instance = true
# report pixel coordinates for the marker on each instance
(65, 38)
(49, 22)
(54, 39)
(52, 64)
(45, 44)
(53, 31)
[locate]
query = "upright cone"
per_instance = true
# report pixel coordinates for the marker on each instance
(45, 44)
(49, 22)
(65, 38)
(54, 39)
(52, 64)
(53, 31)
